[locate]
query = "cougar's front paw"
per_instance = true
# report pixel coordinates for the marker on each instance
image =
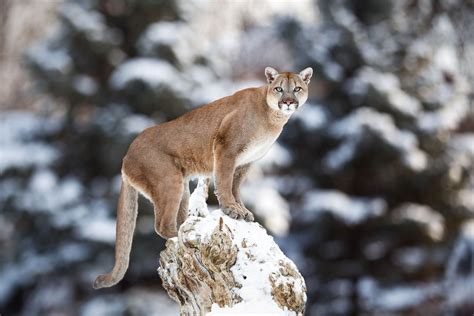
(237, 211)
(233, 210)
(248, 215)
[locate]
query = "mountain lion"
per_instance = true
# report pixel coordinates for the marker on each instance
(221, 139)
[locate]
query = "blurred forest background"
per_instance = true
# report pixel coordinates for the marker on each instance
(370, 189)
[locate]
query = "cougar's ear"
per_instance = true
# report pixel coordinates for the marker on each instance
(270, 73)
(306, 74)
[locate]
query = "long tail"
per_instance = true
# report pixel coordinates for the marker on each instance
(126, 219)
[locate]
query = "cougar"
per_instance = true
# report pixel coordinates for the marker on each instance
(220, 139)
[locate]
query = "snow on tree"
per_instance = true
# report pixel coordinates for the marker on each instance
(59, 167)
(384, 196)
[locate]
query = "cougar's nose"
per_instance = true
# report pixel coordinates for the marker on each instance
(289, 101)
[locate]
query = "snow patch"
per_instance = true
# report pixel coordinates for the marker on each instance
(276, 157)
(446, 118)
(171, 34)
(91, 24)
(18, 148)
(99, 230)
(311, 116)
(353, 129)
(136, 123)
(351, 210)
(85, 85)
(387, 86)
(423, 215)
(51, 60)
(377, 298)
(151, 71)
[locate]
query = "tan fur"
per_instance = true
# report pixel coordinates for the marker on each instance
(221, 139)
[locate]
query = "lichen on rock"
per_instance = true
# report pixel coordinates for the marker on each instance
(218, 265)
(284, 288)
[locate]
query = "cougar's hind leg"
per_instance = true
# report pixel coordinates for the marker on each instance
(166, 196)
(184, 204)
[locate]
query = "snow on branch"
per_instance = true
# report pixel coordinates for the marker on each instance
(218, 265)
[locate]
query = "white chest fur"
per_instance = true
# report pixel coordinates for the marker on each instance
(255, 150)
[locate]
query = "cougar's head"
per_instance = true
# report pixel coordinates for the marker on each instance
(287, 91)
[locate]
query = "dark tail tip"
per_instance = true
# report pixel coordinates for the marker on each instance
(102, 281)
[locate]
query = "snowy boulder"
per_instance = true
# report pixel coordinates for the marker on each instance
(219, 265)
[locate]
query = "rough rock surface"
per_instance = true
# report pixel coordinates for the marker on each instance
(218, 265)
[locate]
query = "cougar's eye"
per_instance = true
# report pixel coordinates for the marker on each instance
(278, 89)
(297, 89)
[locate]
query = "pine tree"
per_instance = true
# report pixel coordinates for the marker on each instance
(385, 196)
(109, 69)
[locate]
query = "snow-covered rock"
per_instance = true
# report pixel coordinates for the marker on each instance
(219, 265)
